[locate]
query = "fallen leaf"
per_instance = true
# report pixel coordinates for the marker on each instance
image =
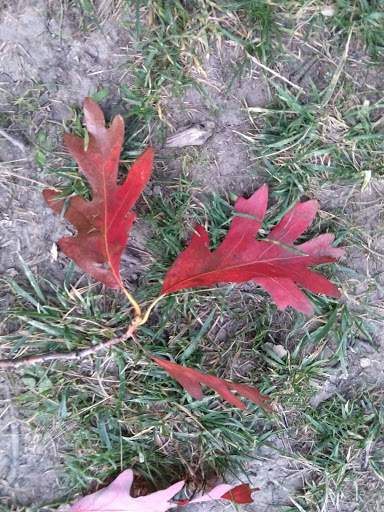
(191, 381)
(194, 135)
(215, 494)
(102, 224)
(116, 497)
(328, 11)
(241, 494)
(274, 263)
(279, 350)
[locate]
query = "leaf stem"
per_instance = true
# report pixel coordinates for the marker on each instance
(79, 354)
(148, 312)
(135, 305)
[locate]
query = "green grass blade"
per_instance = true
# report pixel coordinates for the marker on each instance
(194, 344)
(32, 280)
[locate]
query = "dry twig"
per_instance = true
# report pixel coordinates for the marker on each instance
(74, 355)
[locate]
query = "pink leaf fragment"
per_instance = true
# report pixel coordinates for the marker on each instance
(117, 498)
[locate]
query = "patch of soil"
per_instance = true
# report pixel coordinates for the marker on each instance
(276, 479)
(223, 162)
(29, 463)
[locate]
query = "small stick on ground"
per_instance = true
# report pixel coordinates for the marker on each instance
(74, 355)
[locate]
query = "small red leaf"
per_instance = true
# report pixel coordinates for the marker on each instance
(241, 494)
(102, 224)
(275, 263)
(191, 381)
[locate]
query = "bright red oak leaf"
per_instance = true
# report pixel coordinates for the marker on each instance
(191, 381)
(102, 224)
(241, 494)
(117, 498)
(274, 263)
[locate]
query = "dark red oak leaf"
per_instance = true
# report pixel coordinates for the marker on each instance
(191, 381)
(102, 224)
(275, 263)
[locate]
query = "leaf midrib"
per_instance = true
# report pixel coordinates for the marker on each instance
(234, 267)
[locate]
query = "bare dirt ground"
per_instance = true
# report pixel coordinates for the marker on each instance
(47, 66)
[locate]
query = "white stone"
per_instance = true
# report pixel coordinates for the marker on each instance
(365, 362)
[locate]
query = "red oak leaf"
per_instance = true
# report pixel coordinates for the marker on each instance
(274, 263)
(102, 224)
(191, 381)
(116, 497)
(241, 494)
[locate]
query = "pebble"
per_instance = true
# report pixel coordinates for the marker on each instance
(365, 362)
